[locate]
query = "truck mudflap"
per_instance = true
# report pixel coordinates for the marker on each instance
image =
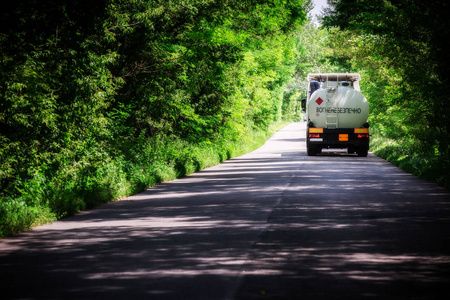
(354, 139)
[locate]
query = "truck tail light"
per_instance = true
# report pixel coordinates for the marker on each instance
(362, 133)
(314, 135)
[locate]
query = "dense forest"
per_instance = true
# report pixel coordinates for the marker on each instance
(101, 99)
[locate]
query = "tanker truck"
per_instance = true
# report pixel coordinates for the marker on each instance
(336, 114)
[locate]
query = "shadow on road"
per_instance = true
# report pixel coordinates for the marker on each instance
(272, 224)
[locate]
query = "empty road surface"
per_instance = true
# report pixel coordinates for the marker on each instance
(272, 224)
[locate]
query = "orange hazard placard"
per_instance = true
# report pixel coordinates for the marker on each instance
(343, 138)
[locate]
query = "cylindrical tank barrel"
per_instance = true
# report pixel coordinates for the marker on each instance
(344, 107)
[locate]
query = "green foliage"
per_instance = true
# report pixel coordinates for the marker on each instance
(312, 55)
(102, 99)
(400, 49)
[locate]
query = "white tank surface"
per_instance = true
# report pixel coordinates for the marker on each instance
(338, 106)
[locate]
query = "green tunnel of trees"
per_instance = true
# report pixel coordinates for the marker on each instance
(101, 99)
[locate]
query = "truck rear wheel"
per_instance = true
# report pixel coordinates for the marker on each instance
(362, 152)
(313, 150)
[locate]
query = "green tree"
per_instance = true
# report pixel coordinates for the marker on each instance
(98, 97)
(405, 40)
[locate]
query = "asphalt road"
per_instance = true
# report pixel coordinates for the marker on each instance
(272, 224)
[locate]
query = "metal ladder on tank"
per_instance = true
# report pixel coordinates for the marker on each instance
(331, 117)
(332, 120)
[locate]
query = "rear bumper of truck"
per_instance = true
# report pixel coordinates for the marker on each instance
(354, 139)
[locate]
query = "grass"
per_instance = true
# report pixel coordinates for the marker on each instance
(407, 155)
(97, 178)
